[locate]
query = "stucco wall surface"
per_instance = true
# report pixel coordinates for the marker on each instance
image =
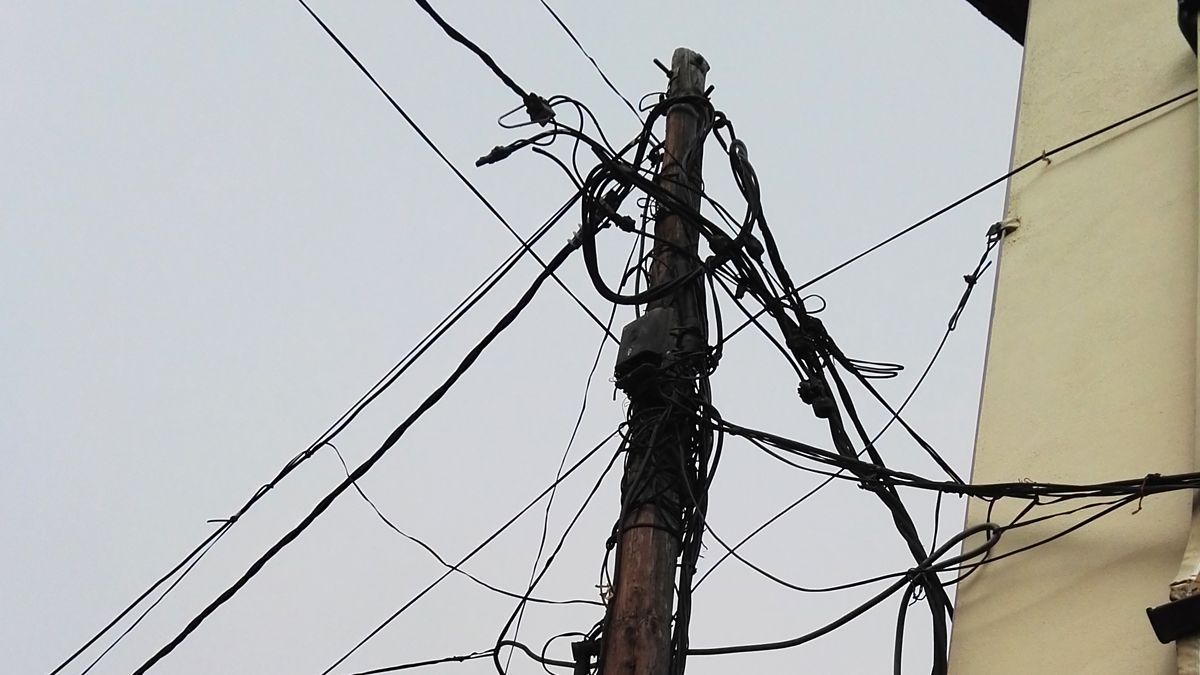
(1091, 362)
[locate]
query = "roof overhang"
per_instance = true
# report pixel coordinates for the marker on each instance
(1009, 15)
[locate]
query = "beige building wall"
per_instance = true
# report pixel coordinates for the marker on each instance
(1091, 365)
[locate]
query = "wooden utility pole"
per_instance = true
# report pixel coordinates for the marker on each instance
(637, 634)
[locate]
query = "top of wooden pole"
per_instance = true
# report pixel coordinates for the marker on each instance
(688, 70)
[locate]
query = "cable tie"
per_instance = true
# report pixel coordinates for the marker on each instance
(1141, 493)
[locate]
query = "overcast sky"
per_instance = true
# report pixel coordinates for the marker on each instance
(216, 235)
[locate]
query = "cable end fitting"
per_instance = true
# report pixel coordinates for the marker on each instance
(498, 153)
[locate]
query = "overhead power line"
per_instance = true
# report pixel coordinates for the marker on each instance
(982, 189)
(571, 34)
(370, 462)
(996, 181)
(475, 551)
(434, 662)
(477, 294)
(446, 160)
(441, 560)
(539, 111)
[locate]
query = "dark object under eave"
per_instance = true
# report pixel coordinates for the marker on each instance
(1188, 11)
(1009, 15)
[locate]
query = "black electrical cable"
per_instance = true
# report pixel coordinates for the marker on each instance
(732, 550)
(811, 344)
(595, 65)
(1027, 489)
(774, 578)
(421, 664)
(812, 347)
(198, 550)
(416, 352)
(370, 462)
(442, 561)
(929, 449)
(1017, 523)
(898, 649)
(530, 653)
(441, 155)
(987, 186)
(530, 99)
(478, 293)
(996, 181)
(475, 551)
(587, 386)
(930, 564)
(501, 640)
(972, 279)
(754, 321)
(210, 544)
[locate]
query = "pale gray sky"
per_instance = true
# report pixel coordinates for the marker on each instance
(216, 235)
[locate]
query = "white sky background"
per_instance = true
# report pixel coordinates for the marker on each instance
(216, 235)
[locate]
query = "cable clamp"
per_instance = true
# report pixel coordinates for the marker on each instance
(1002, 228)
(539, 109)
(583, 652)
(626, 223)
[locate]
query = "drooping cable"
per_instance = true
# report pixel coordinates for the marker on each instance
(438, 557)
(365, 466)
(587, 386)
(475, 551)
(501, 640)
